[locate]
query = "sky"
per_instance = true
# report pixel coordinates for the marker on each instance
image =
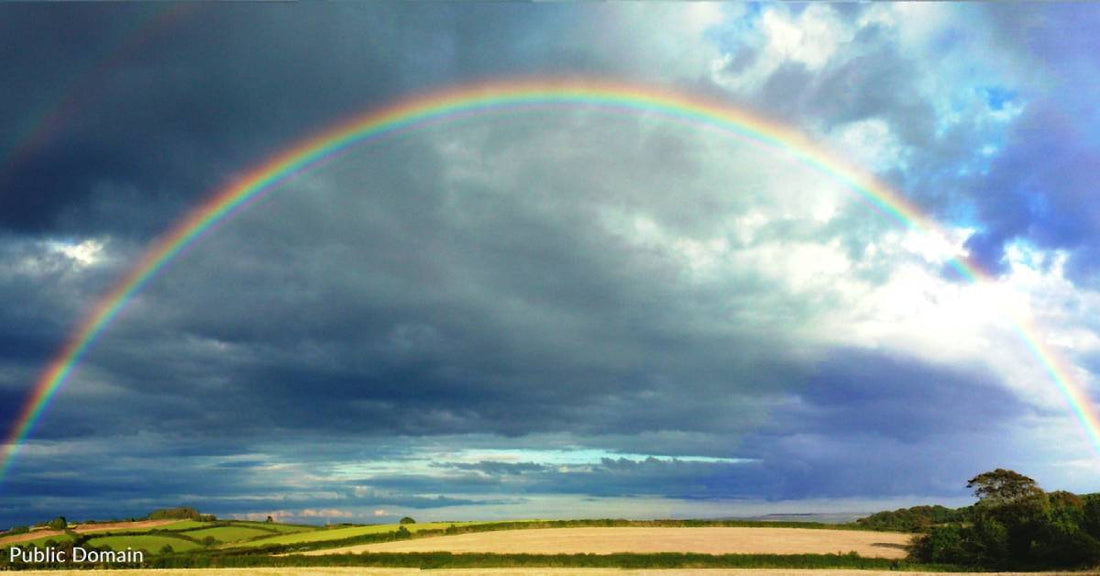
(558, 312)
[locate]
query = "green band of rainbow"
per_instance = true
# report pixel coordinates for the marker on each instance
(495, 98)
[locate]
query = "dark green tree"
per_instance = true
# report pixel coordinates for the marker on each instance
(58, 523)
(1003, 486)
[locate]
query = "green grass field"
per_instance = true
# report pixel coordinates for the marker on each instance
(324, 535)
(173, 527)
(148, 542)
(280, 528)
(229, 533)
(184, 525)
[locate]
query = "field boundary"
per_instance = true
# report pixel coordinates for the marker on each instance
(442, 560)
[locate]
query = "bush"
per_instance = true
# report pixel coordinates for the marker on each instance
(407, 520)
(942, 545)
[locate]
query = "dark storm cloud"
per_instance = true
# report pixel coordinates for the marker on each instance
(859, 392)
(372, 308)
(860, 409)
(171, 102)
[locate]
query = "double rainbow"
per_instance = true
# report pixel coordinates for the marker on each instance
(490, 99)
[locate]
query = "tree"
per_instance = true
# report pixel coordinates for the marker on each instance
(270, 520)
(408, 520)
(1003, 486)
(178, 513)
(58, 523)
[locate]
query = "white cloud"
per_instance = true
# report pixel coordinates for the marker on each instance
(871, 144)
(810, 38)
(86, 253)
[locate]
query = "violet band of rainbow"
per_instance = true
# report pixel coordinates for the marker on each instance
(493, 98)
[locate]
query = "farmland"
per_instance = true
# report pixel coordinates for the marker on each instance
(648, 540)
(39, 537)
(510, 572)
(514, 548)
(147, 542)
(334, 534)
(232, 533)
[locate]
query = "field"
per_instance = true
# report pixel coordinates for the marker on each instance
(348, 532)
(136, 525)
(229, 533)
(38, 537)
(280, 528)
(512, 572)
(716, 540)
(146, 542)
(597, 547)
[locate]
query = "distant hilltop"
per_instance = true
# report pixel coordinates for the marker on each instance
(180, 513)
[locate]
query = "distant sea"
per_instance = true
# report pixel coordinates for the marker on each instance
(825, 518)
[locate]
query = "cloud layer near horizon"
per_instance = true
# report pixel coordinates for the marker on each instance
(547, 310)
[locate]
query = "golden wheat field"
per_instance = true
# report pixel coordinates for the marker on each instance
(513, 572)
(642, 540)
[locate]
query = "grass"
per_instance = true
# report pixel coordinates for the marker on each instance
(151, 543)
(280, 528)
(229, 533)
(333, 534)
(173, 527)
(184, 525)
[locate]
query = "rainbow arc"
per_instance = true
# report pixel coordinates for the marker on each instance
(495, 98)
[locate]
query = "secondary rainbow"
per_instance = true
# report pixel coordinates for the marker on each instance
(497, 98)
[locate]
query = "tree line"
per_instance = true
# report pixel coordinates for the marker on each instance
(1015, 525)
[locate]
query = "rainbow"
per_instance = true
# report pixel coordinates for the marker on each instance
(484, 99)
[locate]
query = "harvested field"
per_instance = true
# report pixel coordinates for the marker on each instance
(649, 540)
(29, 536)
(124, 526)
(512, 572)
